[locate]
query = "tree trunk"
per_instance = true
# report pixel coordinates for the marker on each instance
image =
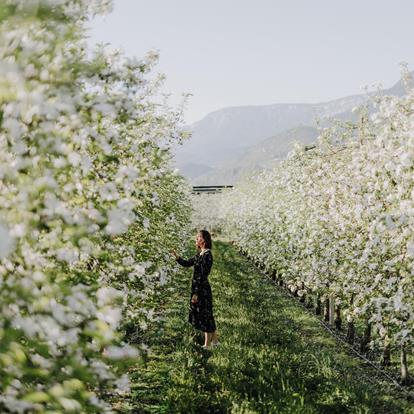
(318, 309)
(350, 333)
(302, 298)
(326, 315)
(366, 339)
(386, 356)
(338, 319)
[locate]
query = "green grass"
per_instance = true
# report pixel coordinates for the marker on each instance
(274, 357)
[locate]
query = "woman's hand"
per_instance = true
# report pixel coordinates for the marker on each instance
(175, 254)
(194, 299)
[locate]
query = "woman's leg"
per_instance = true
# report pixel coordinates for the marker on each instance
(207, 338)
(214, 338)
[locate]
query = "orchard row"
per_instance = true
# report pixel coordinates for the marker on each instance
(334, 223)
(88, 208)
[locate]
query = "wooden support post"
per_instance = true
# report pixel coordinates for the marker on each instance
(331, 310)
(404, 366)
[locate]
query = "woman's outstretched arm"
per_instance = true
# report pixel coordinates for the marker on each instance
(186, 262)
(183, 262)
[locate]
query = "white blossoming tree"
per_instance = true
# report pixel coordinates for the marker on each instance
(88, 207)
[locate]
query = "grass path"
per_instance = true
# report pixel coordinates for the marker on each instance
(274, 357)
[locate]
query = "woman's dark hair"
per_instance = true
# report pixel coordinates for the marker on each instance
(207, 238)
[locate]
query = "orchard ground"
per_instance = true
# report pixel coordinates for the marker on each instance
(274, 357)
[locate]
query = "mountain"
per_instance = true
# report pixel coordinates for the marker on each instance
(220, 133)
(263, 155)
(232, 141)
(193, 170)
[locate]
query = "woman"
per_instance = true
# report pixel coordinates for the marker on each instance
(201, 304)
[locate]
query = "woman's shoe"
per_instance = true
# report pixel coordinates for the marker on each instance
(205, 346)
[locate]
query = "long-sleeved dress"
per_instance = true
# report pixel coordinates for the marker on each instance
(201, 313)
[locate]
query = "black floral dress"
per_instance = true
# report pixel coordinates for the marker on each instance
(201, 313)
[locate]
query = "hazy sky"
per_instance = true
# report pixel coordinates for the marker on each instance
(255, 52)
